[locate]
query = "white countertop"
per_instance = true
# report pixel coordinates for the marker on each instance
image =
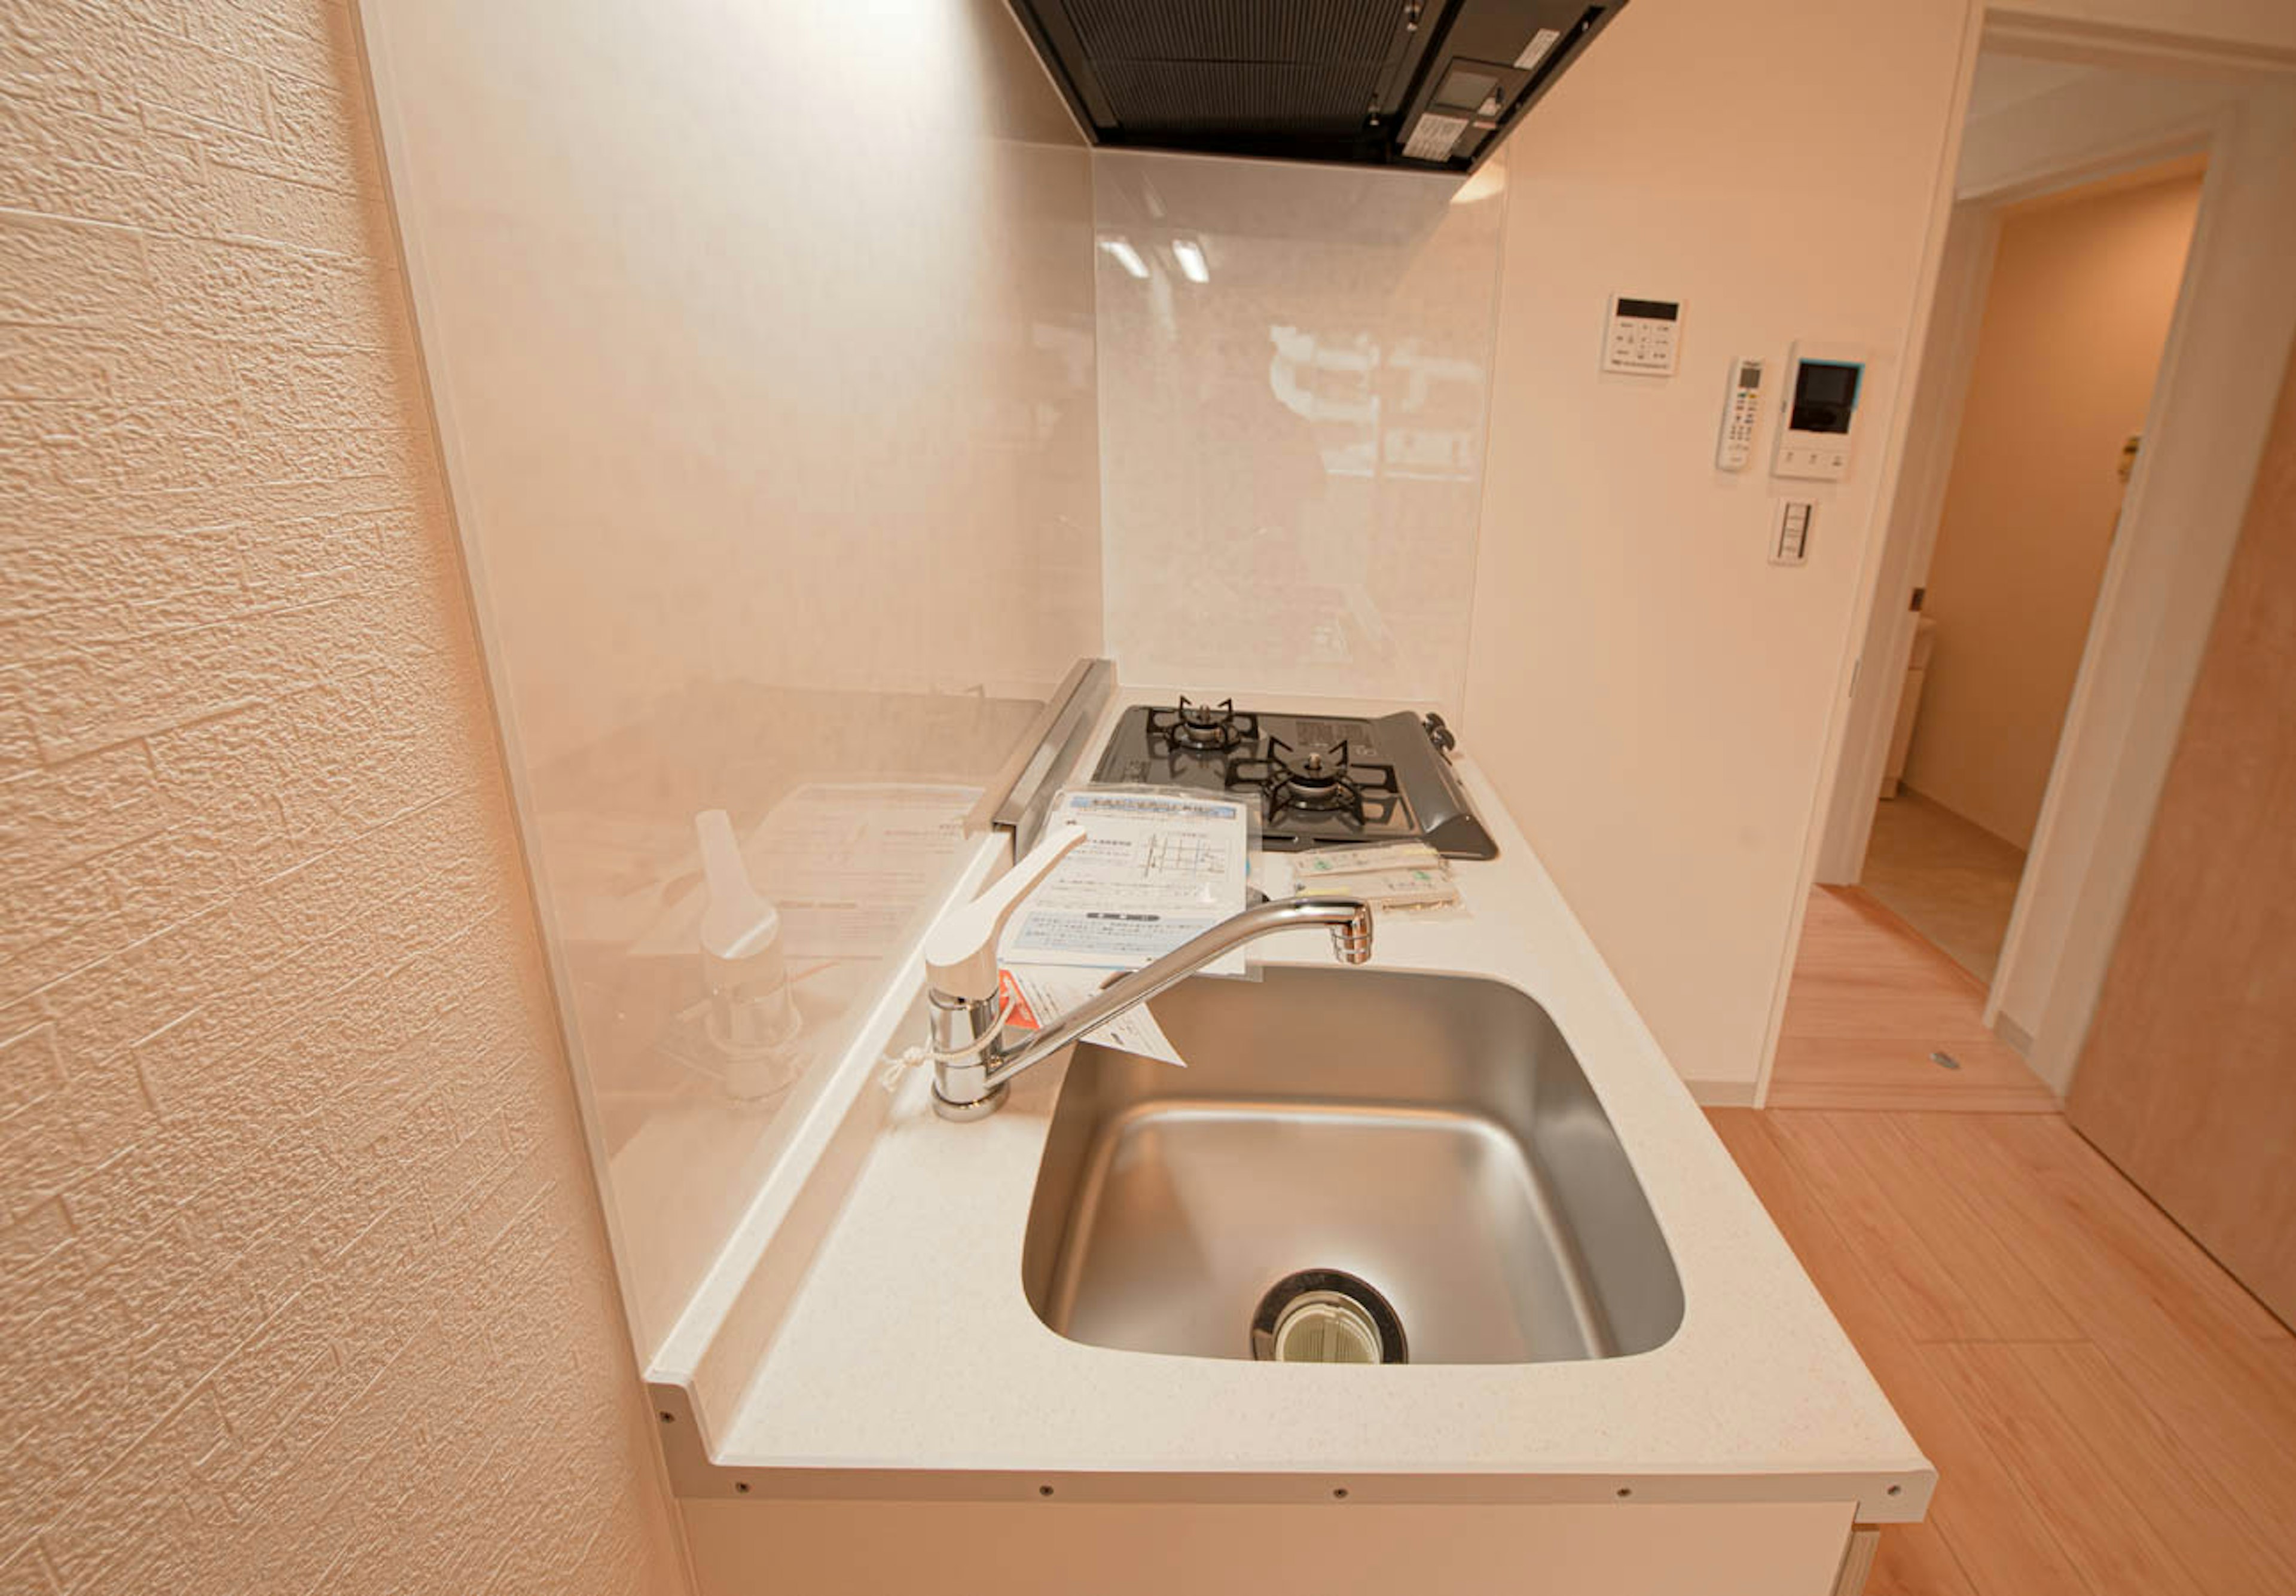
(909, 1362)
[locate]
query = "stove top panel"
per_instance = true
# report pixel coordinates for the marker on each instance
(1319, 779)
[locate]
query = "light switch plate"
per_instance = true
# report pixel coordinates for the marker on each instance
(1790, 545)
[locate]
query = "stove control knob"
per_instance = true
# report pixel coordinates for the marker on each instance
(1439, 734)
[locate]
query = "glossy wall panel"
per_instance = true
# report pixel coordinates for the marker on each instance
(1294, 370)
(761, 341)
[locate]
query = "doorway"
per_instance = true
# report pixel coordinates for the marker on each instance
(2077, 296)
(2062, 110)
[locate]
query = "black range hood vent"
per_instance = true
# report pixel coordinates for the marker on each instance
(1430, 85)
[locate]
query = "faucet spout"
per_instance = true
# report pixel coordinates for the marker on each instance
(969, 1084)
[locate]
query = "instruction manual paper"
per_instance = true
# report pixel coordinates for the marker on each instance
(1159, 868)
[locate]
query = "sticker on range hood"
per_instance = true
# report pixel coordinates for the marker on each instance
(1535, 51)
(1433, 138)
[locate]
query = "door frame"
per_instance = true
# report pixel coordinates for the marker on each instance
(2204, 434)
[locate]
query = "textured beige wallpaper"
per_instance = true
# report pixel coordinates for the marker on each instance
(302, 1284)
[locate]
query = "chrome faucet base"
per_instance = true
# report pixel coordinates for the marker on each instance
(979, 1109)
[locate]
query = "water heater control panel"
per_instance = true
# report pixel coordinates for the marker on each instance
(1641, 337)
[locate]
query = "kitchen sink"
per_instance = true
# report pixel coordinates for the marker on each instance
(1357, 1165)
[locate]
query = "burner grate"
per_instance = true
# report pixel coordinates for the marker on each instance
(1201, 728)
(1319, 779)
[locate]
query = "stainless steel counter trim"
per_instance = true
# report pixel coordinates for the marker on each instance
(1016, 801)
(1000, 785)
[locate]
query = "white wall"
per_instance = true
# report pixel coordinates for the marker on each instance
(1649, 694)
(1293, 451)
(764, 366)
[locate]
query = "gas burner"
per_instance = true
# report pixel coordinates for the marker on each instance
(1321, 781)
(1203, 728)
(1314, 778)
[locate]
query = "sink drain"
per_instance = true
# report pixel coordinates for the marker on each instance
(1326, 1316)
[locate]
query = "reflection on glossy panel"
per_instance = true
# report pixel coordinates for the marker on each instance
(765, 370)
(1294, 367)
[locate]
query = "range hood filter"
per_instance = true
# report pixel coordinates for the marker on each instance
(1433, 85)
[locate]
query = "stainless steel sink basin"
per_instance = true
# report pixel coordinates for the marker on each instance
(1428, 1138)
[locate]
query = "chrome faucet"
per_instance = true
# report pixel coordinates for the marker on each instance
(972, 1062)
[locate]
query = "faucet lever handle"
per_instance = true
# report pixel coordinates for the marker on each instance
(961, 950)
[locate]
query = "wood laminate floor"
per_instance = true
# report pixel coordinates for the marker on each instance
(1953, 881)
(2109, 1413)
(1870, 1003)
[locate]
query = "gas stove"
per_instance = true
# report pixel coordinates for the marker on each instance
(1319, 780)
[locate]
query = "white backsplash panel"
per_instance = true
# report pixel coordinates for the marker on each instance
(1294, 379)
(764, 366)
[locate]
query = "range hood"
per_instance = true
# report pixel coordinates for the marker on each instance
(1425, 84)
